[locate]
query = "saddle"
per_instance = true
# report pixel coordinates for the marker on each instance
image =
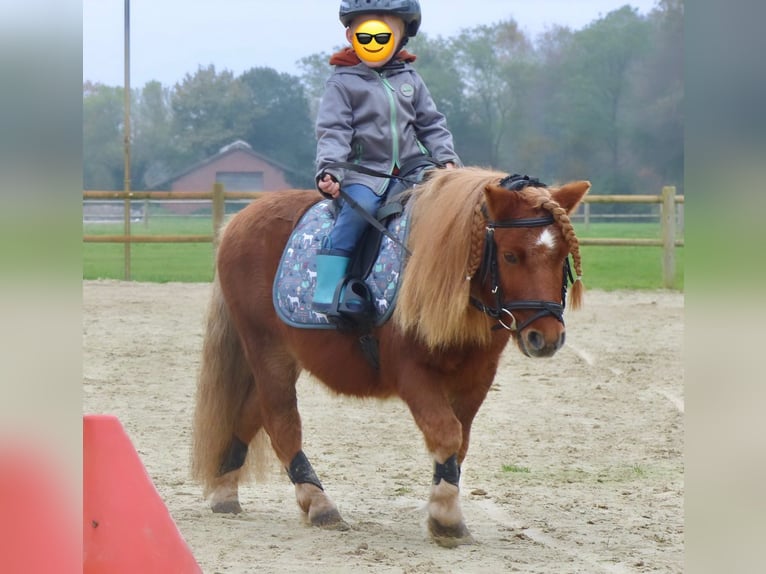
(365, 299)
(373, 274)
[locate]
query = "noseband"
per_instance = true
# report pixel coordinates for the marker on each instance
(503, 310)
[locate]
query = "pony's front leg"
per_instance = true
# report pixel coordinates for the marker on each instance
(445, 517)
(320, 510)
(443, 434)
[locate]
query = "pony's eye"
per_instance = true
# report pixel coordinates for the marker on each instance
(510, 257)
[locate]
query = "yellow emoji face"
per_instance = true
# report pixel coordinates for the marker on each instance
(373, 42)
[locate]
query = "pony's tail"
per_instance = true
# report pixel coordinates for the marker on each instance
(224, 381)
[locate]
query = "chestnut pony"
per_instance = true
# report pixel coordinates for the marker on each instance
(489, 261)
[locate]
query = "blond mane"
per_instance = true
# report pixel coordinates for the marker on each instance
(433, 298)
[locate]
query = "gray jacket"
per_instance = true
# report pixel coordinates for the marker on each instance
(379, 119)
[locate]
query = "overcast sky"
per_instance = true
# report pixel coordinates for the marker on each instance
(170, 38)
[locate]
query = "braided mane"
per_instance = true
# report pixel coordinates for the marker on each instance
(565, 224)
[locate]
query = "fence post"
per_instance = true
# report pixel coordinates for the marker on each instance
(668, 236)
(218, 211)
(680, 218)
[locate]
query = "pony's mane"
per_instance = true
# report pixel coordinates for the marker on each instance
(434, 293)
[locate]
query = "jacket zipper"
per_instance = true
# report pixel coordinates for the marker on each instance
(394, 133)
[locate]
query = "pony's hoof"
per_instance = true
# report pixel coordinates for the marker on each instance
(227, 507)
(449, 536)
(330, 520)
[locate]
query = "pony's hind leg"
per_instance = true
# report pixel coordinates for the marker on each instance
(224, 496)
(226, 414)
(319, 509)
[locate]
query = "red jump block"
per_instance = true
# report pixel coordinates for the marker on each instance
(126, 526)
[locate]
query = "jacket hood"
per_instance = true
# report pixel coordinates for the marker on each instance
(347, 57)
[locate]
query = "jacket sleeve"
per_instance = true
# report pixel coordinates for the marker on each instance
(333, 130)
(431, 126)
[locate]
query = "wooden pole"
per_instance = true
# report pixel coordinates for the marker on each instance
(126, 140)
(219, 208)
(669, 236)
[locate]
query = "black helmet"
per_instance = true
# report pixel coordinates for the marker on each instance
(407, 10)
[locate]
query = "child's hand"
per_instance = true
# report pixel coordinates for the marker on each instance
(329, 186)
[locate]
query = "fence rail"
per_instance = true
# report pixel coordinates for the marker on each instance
(668, 200)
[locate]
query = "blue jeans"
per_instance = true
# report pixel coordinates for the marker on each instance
(349, 225)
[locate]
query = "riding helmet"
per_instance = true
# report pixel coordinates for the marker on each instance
(407, 10)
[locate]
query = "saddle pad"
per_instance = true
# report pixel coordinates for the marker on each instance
(296, 275)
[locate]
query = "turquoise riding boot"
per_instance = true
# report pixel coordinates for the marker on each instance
(331, 269)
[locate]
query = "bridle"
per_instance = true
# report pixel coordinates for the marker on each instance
(502, 311)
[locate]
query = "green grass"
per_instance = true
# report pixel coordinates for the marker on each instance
(153, 262)
(515, 468)
(638, 470)
(604, 267)
(625, 267)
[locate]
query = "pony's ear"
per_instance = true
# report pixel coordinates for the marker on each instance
(500, 200)
(569, 195)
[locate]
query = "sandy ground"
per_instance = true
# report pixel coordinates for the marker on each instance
(575, 466)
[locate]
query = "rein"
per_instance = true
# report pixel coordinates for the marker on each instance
(406, 169)
(502, 311)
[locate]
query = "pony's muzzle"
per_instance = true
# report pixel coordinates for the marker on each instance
(534, 342)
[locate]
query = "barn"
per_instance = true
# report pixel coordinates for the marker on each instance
(236, 166)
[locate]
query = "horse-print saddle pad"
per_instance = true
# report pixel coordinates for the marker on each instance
(296, 275)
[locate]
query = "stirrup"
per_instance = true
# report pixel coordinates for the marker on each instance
(357, 299)
(352, 308)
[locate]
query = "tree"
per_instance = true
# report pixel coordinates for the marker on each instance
(493, 62)
(276, 122)
(658, 124)
(208, 113)
(152, 156)
(588, 113)
(315, 71)
(103, 120)
(437, 66)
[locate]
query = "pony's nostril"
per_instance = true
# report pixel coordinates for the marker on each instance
(536, 340)
(562, 339)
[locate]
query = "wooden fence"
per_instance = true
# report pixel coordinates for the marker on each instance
(668, 201)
